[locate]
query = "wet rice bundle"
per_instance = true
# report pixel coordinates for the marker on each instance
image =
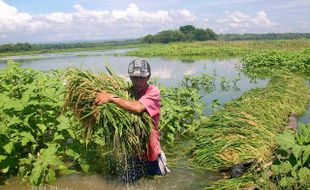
(245, 128)
(124, 133)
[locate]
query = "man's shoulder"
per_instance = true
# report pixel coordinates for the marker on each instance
(154, 89)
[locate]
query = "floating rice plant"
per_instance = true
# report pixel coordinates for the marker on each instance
(245, 128)
(125, 134)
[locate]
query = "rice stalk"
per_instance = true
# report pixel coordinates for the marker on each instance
(125, 134)
(245, 128)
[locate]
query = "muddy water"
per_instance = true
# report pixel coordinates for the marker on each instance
(181, 177)
(305, 118)
(166, 71)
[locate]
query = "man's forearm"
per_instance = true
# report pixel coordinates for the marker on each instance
(132, 106)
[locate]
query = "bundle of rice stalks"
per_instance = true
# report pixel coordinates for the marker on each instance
(124, 133)
(245, 128)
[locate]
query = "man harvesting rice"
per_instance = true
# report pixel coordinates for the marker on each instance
(147, 99)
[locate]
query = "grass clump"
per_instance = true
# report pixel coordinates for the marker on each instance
(245, 128)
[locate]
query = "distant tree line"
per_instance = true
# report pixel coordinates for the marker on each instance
(184, 33)
(56, 46)
(268, 36)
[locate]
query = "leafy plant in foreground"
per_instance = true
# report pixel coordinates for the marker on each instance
(291, 168)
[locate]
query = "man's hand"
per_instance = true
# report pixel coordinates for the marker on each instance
(103, 97)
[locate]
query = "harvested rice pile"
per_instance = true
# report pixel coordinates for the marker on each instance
(245, 128)
(125, 133)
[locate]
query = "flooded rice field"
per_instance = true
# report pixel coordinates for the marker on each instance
(168, 72)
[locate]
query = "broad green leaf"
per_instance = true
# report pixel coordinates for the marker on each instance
(26, 137)
(2, 158)
(286, 140)
(5, 170)
(58, 136)
(15, 105)
(51, 176)
(14, 120)
(36, 173)
(42, 128)
(64, 122)
(9, 147)
(85, 167)
(72, 153)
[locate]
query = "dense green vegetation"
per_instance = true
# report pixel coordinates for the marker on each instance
(268, 36)
(36, 138)
(217, 49)
(184, 33)
(266, 62)
(291, 166)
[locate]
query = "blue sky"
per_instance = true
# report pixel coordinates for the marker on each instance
(67, 20)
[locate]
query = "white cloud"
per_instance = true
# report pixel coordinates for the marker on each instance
(263, 20)
(87, 24)
(243, 22)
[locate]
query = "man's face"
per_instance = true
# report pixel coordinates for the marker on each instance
(139, 83)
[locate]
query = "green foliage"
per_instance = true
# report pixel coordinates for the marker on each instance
(203, 82)
(15, 47)
(244, 129)
(269, 36)
(165, 37)
(182, 107)
(220, 49)
(182, 111)
(187, 29)
(291, 168)
(185, 33)
(267, 63)
(197, 49)
(35, 135)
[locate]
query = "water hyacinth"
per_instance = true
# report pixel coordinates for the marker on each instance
(125, 134)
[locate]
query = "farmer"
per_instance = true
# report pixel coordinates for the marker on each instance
(147, 100)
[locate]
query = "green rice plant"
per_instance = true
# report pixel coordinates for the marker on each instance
(124, 134)
(245, 128)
